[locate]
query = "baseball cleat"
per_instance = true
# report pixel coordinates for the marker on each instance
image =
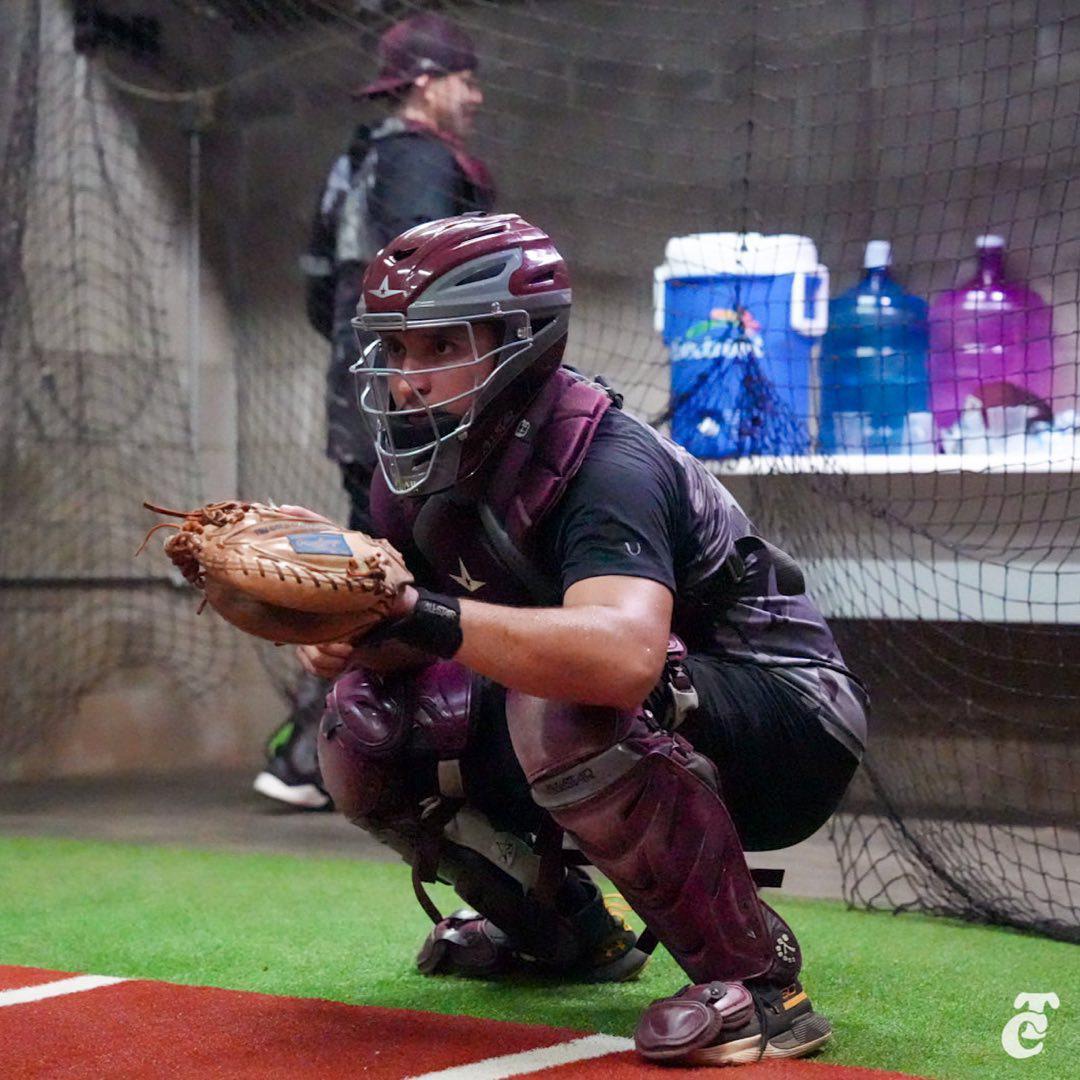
(722, 1023)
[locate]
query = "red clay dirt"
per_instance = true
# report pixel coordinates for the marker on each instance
(142, 1028)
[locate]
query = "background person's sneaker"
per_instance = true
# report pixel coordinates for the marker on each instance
(721, 1023)
(291, 774)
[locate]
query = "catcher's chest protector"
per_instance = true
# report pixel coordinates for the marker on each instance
(480, 547)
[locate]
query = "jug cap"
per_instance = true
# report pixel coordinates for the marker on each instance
(989, 241)
(878, 254)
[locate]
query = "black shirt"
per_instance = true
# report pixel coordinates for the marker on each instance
(417, 180)
(621, 512)
(640, 506)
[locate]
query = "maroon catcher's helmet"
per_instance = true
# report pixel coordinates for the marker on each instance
(460, 271)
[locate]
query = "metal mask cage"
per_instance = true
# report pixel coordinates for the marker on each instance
(412, 443)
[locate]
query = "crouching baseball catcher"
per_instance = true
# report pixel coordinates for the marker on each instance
(596, 643)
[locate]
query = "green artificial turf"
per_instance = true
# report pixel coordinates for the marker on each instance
(911, 993)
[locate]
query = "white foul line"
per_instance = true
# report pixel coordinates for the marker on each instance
(75, 985)
(496, 1068)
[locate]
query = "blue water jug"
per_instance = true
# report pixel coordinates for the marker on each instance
(874, 377)
(739, 313)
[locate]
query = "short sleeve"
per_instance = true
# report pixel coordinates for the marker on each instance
(618, 516)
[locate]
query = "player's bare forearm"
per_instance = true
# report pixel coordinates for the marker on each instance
(579, 654)
(605, 646)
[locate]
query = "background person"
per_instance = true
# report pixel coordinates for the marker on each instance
(410, 168)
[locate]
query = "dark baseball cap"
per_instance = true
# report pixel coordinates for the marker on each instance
(426, 44)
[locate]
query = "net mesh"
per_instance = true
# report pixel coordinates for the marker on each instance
(949, 569)
(96, 412)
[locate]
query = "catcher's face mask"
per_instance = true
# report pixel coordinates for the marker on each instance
(421, 385)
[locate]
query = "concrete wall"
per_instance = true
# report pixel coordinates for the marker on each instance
(12, 18)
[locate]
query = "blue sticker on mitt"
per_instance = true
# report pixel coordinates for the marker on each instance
(324, 543)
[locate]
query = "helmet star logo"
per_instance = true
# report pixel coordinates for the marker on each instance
(465, 579)
(384, 289)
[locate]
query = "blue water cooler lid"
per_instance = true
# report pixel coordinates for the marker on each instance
(752, 254)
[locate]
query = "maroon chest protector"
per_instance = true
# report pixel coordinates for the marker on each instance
(480, 542)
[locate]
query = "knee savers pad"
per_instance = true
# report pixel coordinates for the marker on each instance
(646, 810)
(381, 739)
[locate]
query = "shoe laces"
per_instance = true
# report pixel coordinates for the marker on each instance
(763, 1024)
(617, 907)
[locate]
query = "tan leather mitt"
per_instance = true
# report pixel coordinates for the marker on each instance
(285, 574)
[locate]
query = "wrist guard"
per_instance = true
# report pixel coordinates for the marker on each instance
(434, 625)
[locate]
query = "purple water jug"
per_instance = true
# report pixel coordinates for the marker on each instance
(991, 342)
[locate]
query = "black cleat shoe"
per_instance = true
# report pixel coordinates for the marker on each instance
(614, 955)
(291, 774)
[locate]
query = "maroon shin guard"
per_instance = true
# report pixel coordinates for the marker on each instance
(645, 809)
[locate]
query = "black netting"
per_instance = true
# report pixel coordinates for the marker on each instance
(927, 482)
(96, 408)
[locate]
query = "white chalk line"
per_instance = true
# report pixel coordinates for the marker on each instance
(77, 984)
(496, 1068)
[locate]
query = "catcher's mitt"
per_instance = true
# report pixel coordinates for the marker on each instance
(287, 575)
